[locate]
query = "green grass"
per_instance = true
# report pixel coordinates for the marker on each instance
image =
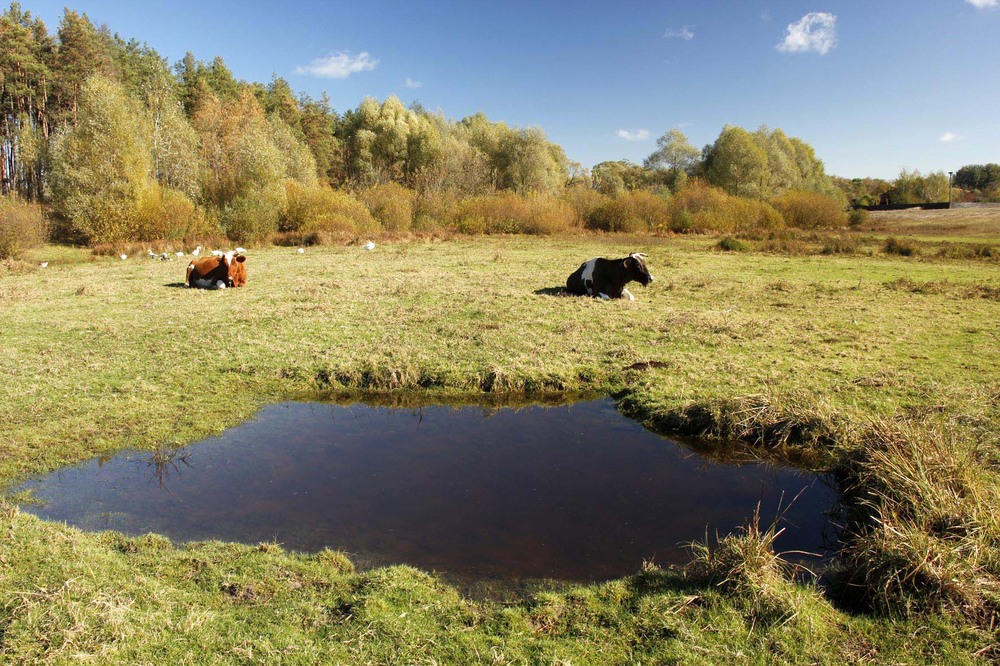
(802, 357)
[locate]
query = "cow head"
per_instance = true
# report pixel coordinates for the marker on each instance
(635, 269)
(237, 269)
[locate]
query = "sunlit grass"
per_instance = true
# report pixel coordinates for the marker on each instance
(800, 355)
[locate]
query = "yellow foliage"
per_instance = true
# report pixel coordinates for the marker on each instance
(632, 212)
(391, 205)
(701, 208)
(167, 213)
(810, 210)
(510, 213)
(22, 226)
(321, 209)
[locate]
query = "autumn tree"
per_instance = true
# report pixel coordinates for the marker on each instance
(101, 165)
(737, 164)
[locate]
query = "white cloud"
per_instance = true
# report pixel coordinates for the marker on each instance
(984, 4)
(816, 31)
(410, 83)
(339, 65)
(682, 33)
(629, 135)
(950, 136)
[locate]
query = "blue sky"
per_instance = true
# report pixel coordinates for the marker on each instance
(873, 86)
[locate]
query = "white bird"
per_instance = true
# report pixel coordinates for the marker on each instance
(368, 246)
(240, 250)
(301, 251)
(196, 251)
(217, 253)
(44, 264)
(124, 257)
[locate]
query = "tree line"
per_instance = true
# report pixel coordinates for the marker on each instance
(122, 145)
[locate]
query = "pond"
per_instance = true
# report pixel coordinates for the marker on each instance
(572, 492)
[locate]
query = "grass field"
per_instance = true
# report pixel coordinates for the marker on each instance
(881, 368)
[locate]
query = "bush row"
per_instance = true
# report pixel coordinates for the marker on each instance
(298, 213)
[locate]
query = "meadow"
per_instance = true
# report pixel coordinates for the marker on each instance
(880, 368)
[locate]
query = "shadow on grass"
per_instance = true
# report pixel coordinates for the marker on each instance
(551, 291)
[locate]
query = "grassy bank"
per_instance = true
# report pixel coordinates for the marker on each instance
(830, 359)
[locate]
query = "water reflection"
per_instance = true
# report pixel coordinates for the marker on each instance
(575, 492)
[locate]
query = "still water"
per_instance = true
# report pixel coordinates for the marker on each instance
(575, 492)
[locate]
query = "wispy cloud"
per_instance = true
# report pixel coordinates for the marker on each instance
(338, 65)
(685, 32)
(950, 136)
(630, 135)
(410, 83)
(816, 31)
(984, 4)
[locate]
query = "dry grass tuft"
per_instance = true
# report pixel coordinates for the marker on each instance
(922, 531)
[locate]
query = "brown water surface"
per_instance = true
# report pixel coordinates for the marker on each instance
(576, 492)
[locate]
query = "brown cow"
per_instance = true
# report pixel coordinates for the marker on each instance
(219, 272)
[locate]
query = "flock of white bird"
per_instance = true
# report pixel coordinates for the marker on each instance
(165, 256)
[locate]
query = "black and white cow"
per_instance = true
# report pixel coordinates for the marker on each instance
(607, 278)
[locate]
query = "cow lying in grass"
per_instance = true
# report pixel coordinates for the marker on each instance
(606, 278)
(218, 272)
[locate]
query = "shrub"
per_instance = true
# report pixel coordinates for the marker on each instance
(737, 215)
(901, 246)
(324, 211)
(701, 208)
(166, 213)
(691, 200)
(857, 217)
(631, 212)
(434, 209)
(252, 218)
(809, 210)
(730, 244)
(584, 201)
(839, 245)
(969, 251)
(510, 213)
(391, 205)
(22, 226)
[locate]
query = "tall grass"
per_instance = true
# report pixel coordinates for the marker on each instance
(746, 566)
(922, 527)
